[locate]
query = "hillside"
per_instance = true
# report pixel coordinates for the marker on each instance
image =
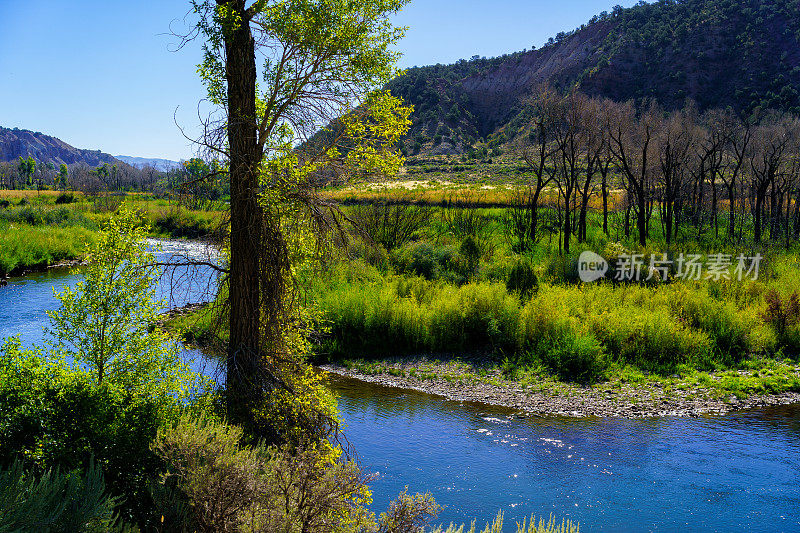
(16, 143)
(720, 53)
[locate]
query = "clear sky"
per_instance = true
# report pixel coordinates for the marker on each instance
(104, 75)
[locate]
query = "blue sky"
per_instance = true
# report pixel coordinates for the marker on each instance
(104, 75)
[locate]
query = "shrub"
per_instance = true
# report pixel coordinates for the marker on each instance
(390, 224)
(413, 314)
(66, 198)
(652, 340)
(181, 225)
(781, 314)
(522, 279)
(409, 514)
(559, 268)
(371, 253)
(472, 317)
(467, 220)
(54, 417)
(577, 358)
(471, 253)
(111, 380)
(61, 216)
(432, 262)
(55, 501)
(231, 487)
(105, 321)
(791, 339)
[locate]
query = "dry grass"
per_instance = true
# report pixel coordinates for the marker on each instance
(8, 194)
(449, 194)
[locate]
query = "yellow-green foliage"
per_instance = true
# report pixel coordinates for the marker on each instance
(527, 526)
(574, 329)
(105, 321)
(417, 314)
(231, 487)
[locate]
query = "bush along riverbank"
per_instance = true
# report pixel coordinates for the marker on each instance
(450, 284)
(602, 349)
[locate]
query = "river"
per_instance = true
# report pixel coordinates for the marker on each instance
(728, 473)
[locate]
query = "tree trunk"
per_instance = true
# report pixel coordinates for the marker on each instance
(797, 216)
(668, 209)
(628, 220)
(714, 205)
(641, 222)
(534, 217)
(244, 352)
(567, 220)
(757, 217)
(604, 187)
(582, 232)
(731, 212)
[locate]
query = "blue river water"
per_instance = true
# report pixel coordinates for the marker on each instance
(731, 473)
(726, 473)
(24, 302)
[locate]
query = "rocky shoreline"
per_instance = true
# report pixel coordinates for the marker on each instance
(607, 401)
(177, 312)
(31, 269)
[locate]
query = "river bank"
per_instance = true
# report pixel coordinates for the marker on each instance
(679, 396)
(32, 269)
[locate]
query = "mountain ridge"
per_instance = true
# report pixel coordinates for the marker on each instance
(16, 143)
(719, 53)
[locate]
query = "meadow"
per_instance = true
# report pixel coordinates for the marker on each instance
(41, 229)
(451, 282)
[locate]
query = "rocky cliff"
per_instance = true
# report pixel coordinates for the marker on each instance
(16, 143)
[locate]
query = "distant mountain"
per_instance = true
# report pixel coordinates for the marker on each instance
(163, 165)
(739, 53)
(16, 143)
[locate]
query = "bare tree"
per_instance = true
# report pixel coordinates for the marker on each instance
(595, 160)
(674, 143)
(536, 149)
(632, 143)
(738, 135)
(770, 145)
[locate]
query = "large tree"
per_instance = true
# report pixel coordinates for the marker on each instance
(280, 72)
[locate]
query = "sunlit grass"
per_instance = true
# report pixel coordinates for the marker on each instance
(23, 246)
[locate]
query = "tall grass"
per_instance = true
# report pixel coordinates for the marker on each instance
(527, 526)
(39, 215)
(576, 330)
(23, 246)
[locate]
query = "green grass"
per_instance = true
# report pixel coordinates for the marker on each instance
(530, 311)
(571, 328)
(199, 328)
(24, 247)
(38, 232)
(527, 315)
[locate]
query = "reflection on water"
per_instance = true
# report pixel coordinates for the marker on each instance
(713, 474)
